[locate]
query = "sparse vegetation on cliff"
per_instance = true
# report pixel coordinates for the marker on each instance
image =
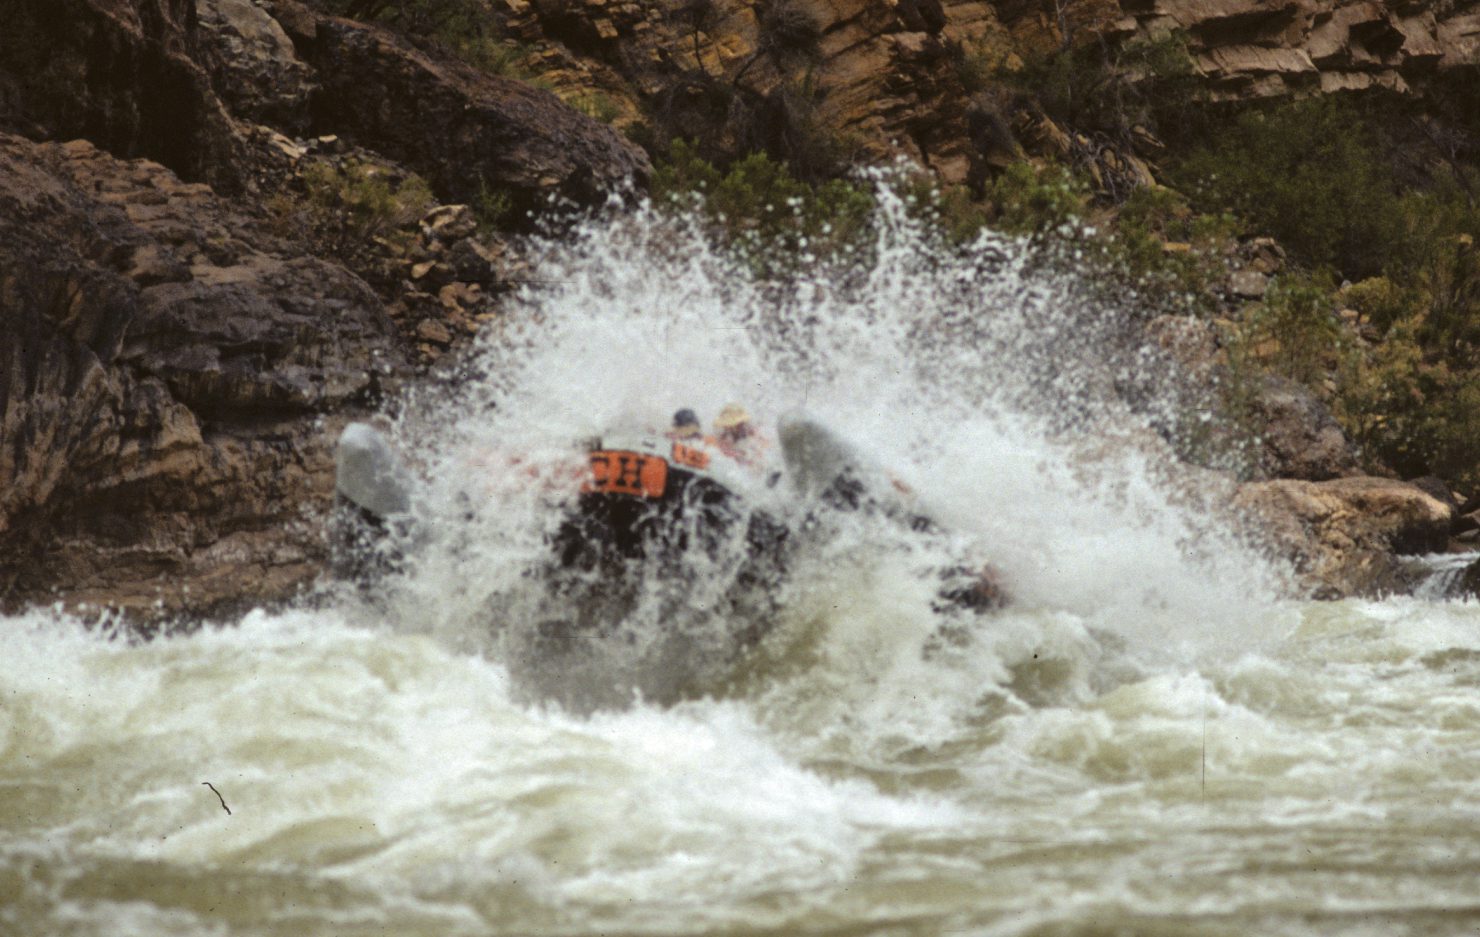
(345, 206)
(466, 27)
(1350, 196)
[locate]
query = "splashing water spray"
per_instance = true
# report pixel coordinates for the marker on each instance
(990, 387)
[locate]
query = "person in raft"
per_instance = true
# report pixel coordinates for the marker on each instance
(736, 436)
(686, 427)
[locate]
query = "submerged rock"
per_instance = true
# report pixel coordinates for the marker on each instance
(1468, 583)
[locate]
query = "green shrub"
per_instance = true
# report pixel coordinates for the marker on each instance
(1378, 388)
(1097, 88)
(976, 65)
(425, 17)
(1444, 272)
(1294, 331)
(492, 209)
(762, 209)
(466, 27)
(788, 29)
(351, 204)
(1418, 416)
(1037, 200)
(1382, 302)
(951, 209)
(595, 105)
(1310, 173)
(1297, 315)
(495, 56)
(1164, 248)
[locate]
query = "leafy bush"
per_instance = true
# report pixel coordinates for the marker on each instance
(1161, 246)
(1341, 190)
(1413, 399)
(1036, 200)
(1101, 89)
(1295, 332)
(348, 205)
(951, 209)
(1312, 174)
(492, 208)
(771, 216)
(1419, 416)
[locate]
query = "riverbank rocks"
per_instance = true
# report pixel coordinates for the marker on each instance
(167, 371)
(1344, 535)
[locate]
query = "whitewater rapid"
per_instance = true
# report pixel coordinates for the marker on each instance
(1153, 738)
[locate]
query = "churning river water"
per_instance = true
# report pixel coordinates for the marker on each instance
(1153, 738)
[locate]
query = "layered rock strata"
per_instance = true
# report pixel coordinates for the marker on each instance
(167, 367)
(1262, 48)
(914, 78)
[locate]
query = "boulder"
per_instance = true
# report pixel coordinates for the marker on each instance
(1248, 284)
(1299, 438)
(467, 132)
(1344, 536)
(1439, 490)
(252, 64)
(167, 369)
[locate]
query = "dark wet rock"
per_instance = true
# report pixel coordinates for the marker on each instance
(1438, 489)
(1468, 583)
(252, 64)
(121, 74)
(1345, 535)
(469, 133)
(166, 373)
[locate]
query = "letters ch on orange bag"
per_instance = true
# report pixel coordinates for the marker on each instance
(626, 473)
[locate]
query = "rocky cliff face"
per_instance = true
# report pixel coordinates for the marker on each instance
(872, 80)
(885, 79)
(173, 362)
(1259, 48)
(124, 75)
(166, 367)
